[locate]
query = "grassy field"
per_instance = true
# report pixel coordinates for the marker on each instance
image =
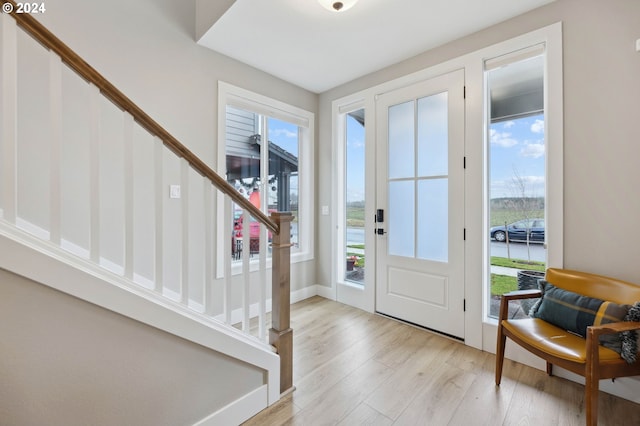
(518, 263)
(501, 284)
(355, 217)
(499, 217)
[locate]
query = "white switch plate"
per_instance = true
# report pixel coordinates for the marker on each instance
(174, 191)
(325, 210)
(638, 45)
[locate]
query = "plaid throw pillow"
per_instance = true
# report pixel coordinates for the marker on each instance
(574, 312)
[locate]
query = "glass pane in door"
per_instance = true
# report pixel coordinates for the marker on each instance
(402, 218)
(402, 140)
(433, 135)
(354, 197)
(418, 190)
(433, 222)
(433, 165)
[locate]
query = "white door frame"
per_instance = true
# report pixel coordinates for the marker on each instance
(478, 332)
(362, 297)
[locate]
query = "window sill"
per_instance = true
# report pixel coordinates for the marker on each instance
(254, 262)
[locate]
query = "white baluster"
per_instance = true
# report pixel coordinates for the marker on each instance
(55, 104)
(94, 172)
(159, 215)
(8, 115)
(207, 290)
(262, 285)
(128, 196)
(184, 204)
(246, 269)
(228, 229)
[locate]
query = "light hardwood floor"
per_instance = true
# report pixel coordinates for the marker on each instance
(355, 368)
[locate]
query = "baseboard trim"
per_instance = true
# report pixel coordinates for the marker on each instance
(326, 292)
(238, 411)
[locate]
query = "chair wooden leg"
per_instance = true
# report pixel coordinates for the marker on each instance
(591, 400)
(549, 368)
(500, 354)
(592, 378)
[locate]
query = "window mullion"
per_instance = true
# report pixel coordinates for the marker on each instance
(264, 163)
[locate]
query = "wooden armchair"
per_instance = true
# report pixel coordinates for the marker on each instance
(583, 356)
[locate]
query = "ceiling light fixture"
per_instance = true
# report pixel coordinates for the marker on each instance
(337, 5)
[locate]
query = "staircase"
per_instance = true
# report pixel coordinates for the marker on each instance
(85, 209)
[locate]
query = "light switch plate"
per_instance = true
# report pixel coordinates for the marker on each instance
(174, 191)
(638, 45)
(325, 210)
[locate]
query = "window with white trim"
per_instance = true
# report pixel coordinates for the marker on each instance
(518, 153)
(265, 153)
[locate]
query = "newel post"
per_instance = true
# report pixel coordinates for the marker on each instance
(281, 334)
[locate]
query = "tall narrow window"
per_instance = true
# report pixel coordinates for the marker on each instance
(516, 175)
(354, 197)
(267, 156)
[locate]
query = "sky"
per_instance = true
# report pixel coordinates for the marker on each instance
(517, 153)
(355, 160)
(284, 134)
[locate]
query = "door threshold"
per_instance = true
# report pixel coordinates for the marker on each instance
(450, 336)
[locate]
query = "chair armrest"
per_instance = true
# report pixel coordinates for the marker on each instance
(515, 295)
(593, 339)
(614, 327)
(522, 294)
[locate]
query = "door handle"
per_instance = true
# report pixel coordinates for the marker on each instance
(378, 218)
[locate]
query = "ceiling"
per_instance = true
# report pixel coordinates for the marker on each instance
(301, 42)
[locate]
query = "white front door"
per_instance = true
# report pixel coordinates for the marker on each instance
(420, 188)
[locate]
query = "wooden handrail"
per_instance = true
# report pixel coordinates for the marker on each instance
(86, 71)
